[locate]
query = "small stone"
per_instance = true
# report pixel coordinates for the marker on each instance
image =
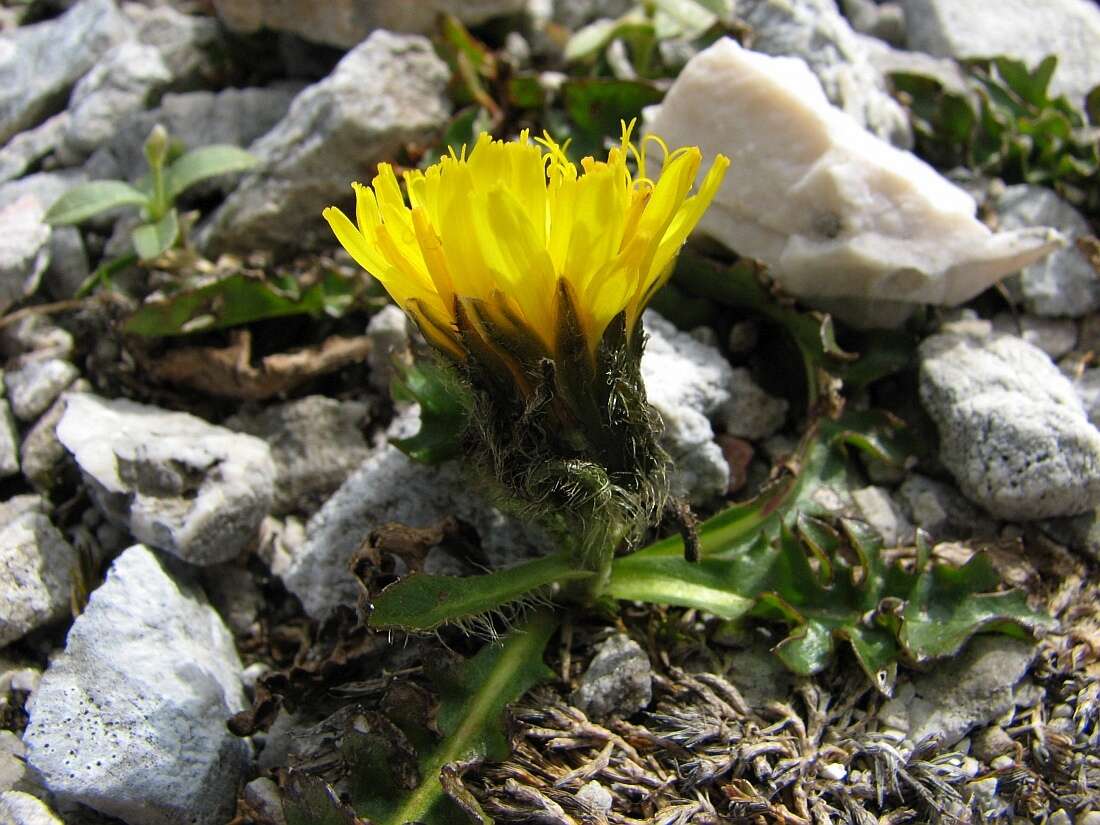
(176, 482)
(41, 452)
(992, 742)
(743, 337)
(835, 212)
(1059, 817)
(33, 388)
(24, 249)
(34, 338)
(316, 443)
(36, 575)
(983, 790)
(389, 333)
(750, 412)
(758, 675)
(13, 766)
(9, 441)
(234, 594)
(970, 690)
(1002, 762)
(390, 487)
(1054, 336)
(18, 808)
(384, 94)
(1089, 818)
(126, 79)
(1064, 283)
(833, 771)
(130, 719)
(39, 63)
(618, 681)
(687, 382)
(1012, 430)
(595, 796)
(885, 21)
(941, 511)
(27, 148)
(881, 511)
(68, 268)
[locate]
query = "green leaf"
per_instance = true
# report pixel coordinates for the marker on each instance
(472, 702)
(769, 559)
(87, 199)
(151, 240)
(423, 603)
(203, 163)
(444, 411)
(596, 107)
(241, 299)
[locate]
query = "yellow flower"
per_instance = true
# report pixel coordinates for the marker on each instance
(503, 243)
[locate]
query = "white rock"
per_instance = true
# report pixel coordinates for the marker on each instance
(18, 808)
(178, 483)
(36, 575)
(686, 383)
(24, 249)
(130, 719)
(388, 91)
(391, 487)
(1022, 29)
(125, 80)
(35, 386)
(1012, 430)
(389, 333)
(942, 511)
(1064, 283)
(831, 209)
(28, 147)
(41, 453)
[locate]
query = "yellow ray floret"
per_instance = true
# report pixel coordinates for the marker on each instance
(496, 232)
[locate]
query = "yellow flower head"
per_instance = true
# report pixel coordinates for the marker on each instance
(500, 243)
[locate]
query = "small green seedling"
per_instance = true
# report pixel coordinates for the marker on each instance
(155, 196)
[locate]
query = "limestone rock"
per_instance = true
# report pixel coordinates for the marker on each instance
(195, 119)
(345, 23)
(9, 441)
(125, 80)
(387, 92)
(176, 482)
(36, 574)
(27, 148)
(1064, 283)
(1012, 430)
(130, 719)
(187, 43)
(41, 62)
(36, 385)
(618, 681)
(1022, 29)
(970, 690)
(24, 249)
(316, 443)
(687, 383)
(390, 487)
(831, 209)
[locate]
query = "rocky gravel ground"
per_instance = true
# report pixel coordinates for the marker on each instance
(179, 515)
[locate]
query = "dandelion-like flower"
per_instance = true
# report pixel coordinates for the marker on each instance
(531, 277)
